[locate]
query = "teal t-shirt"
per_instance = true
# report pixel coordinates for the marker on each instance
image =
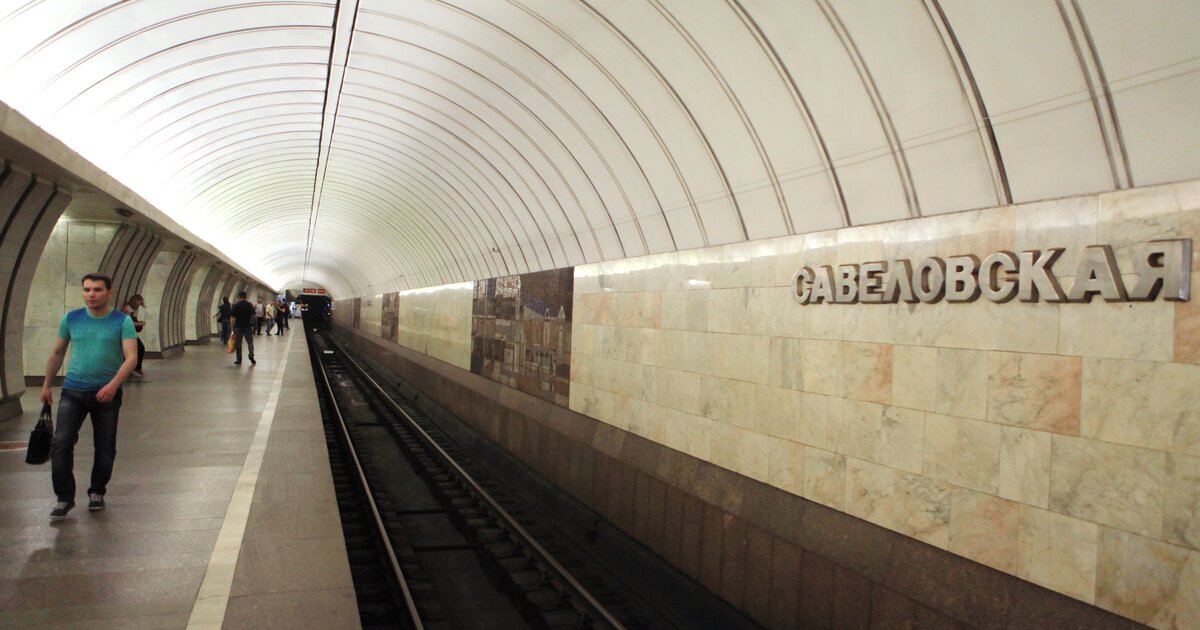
(96, 353)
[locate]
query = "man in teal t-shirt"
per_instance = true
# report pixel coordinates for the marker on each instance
(104, 354)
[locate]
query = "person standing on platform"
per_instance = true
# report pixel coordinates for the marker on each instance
(260, 315)
(105, 353)
(280, 317)
(269, 313)
(243, 327)
(135, 302)
(223, 314)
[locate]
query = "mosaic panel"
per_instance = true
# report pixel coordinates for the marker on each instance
(521, 332)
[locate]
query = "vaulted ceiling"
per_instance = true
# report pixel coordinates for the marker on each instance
(375, 145)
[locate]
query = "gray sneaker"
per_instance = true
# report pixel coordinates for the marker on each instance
(95, 502)
(60, 510)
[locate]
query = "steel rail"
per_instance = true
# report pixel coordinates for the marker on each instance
(562, 571)
(366, 488)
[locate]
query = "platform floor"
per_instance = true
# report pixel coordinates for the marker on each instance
(220, 512)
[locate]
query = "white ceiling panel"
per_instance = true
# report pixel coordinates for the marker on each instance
(436, 141)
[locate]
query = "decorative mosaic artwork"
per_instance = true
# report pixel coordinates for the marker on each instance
(521, 332)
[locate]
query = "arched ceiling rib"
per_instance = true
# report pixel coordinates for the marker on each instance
(411, 144)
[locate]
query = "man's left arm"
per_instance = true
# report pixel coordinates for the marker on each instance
(129, 349)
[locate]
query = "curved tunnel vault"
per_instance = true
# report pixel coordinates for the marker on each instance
(464, 139)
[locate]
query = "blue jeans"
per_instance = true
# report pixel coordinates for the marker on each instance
(73, 407)
(225, 332)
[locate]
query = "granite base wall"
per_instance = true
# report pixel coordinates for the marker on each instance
(786, 561)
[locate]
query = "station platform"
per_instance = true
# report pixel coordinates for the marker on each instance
(220, 513)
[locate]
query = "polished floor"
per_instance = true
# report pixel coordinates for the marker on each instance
(220, 513)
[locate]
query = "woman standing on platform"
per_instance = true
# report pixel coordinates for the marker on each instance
(136, 301)
(223, 314)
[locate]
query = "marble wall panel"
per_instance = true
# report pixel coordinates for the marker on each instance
(962, 380)
(922, 509)
(984, 528)
(1111, 484)
(1035, 391)
(1142, 403)
(1025, 466)
(1181, 523)
(1147, 580)
(1058, 552)
(963, 452)
(902, 439)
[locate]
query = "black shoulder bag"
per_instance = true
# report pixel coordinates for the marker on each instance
(40, 438)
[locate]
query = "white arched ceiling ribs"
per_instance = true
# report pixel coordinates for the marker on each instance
(1101, 95)
(338, 239)
(464, 184)
(207, 159)
(508, 185)
(436, 183)
(814, 131)
(345, 17)
(370, 230)
(188, 64)
(525, 82)
(538, 120)
(386, 203)
(293, 172)
(461, 160)
(970, 89)
(173, 20)
(204, 180)
(772, 177)
(687, 115)
(456, 104)
(645, 120)
(495, 159)
(202, 143)
(429, 202)
(885, 118)
(184, 136)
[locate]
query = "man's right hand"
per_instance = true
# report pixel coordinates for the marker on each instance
(46, 396)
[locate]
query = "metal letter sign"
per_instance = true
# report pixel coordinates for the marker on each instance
(1162, 268)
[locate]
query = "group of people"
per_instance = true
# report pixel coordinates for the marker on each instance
(107, 351)
(242, 320)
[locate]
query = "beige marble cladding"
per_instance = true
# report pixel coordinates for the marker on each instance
(1036, 438)
(435, 321)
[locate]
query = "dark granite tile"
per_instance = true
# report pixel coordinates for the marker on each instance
(641, 507)
(947, 583)
(734, 545)
(334, 608)
(852, 542)
(851, 599)
(677, 469)
(1035, 606)
(101, 589)
(817, 577)
(891, 610)
(719, 487)
(927, 619)
(641, 453)
(602, 466)
(583, 465)
(777, 511)
(786, 584)
(673, 524)
(624, 492)
(711, 534)
(273, 566)
(655, 514)
(757, 580)
(277, 521)
(691, 536)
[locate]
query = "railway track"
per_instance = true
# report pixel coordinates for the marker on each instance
(435, 543)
